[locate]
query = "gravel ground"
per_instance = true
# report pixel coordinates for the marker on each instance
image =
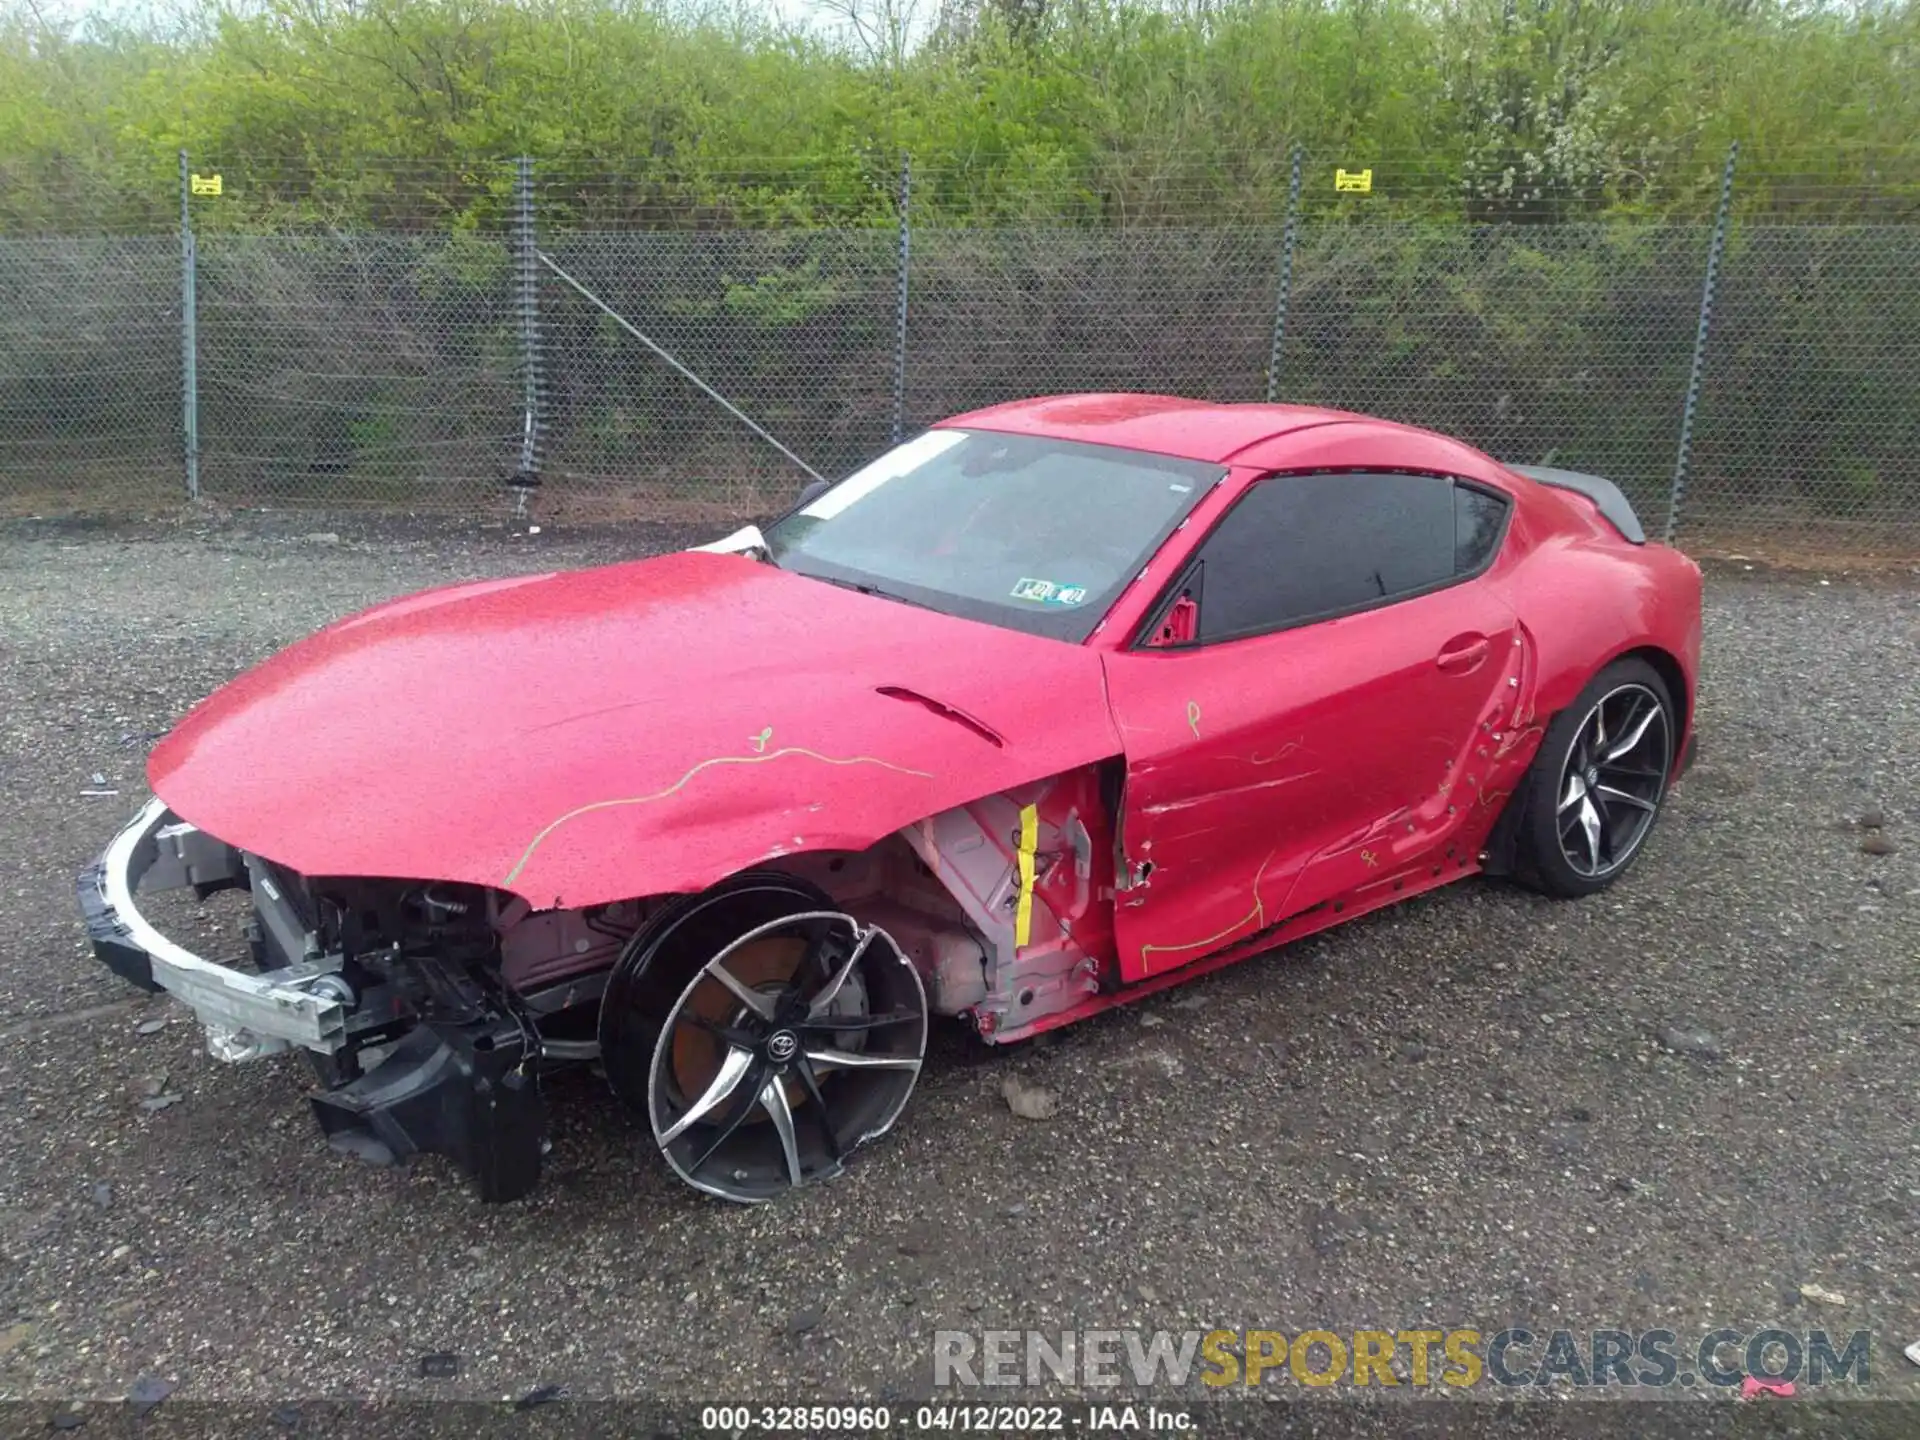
(1674, 1105)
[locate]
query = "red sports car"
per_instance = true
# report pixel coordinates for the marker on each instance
(1054, 705)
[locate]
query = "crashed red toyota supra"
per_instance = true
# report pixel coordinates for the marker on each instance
(1054, 705)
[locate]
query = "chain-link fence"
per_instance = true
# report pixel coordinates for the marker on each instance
(1810, 426)
(1565, 344)
(90, 371)
(796, 328)
(329, 365)
(362, 369)
(997, 314)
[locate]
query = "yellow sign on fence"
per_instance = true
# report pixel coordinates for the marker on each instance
(1353, 182)
(205, 184)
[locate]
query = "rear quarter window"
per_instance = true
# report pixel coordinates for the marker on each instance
(1479, 522)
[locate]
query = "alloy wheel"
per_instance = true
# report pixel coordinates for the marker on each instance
(1613, 780)
(788, 1050)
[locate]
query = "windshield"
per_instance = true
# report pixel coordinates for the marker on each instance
(1034, 534)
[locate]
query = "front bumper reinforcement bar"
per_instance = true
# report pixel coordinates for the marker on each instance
(245, 1015)
(460, 1088)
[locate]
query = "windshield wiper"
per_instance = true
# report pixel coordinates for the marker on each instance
(866, 589)
(892, 595)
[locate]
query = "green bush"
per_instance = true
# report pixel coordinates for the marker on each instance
(400, 113)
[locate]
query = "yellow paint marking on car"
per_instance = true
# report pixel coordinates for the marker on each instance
(1029, 842)
(1257, 914)
(680, 784)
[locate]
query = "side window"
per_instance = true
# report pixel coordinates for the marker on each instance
(1300, 546)
(1479, 520)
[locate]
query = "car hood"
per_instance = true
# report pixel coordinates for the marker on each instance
(586, 736)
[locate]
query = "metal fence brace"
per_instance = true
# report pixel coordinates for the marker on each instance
(1286, 276)
(1683, 458)
(676, 364)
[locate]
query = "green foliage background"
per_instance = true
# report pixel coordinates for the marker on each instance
(385, 111)
(1100, 187)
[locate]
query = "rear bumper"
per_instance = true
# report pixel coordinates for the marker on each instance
(245, 1015)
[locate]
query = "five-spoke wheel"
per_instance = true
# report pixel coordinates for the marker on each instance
(777, 1053)
(1598, 781)
(791, 1046)
(1612, 779)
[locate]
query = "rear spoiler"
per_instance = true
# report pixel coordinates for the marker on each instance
(1605, 495)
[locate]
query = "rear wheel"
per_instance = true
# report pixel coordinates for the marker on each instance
(1596, 786)
(764, 1035)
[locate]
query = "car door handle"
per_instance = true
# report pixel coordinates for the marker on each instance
(1462, 653)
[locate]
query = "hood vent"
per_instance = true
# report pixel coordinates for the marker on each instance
(946, 712)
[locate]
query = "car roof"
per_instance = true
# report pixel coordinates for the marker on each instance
(1160, 424)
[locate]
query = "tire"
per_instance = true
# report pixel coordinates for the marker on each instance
(667, 951)
(762, 1034)
(1596, 787)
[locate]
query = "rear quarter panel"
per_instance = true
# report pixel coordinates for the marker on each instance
(1587, 597)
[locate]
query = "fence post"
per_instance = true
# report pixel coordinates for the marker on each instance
(900, 300)
(1714, 250)
(1286, 278)
(189, 335)
(526, 478)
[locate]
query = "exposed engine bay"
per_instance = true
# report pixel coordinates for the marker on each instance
(429, 1010)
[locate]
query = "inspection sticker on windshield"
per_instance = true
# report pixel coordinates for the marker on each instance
(1046, 592)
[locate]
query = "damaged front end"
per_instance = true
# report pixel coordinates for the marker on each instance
(425, 1009)
(430, 1009)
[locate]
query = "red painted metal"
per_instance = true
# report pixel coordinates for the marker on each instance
(1374, 897)
(1160, 424)
(1181, 625)
(1365, 756)
(1268, 774)
(584, 737)
(638, 729)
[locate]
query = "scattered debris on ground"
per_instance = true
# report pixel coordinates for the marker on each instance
(147, 1392)
(1691, 1040)
(1029, 1102)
